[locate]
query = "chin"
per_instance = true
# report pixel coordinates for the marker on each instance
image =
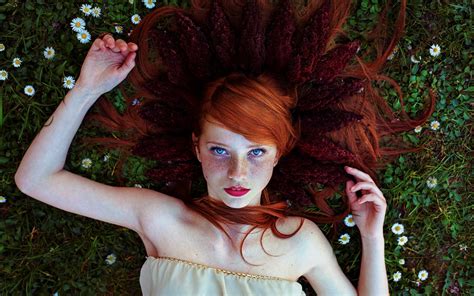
(238, 204)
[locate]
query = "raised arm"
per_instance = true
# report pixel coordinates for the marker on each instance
(368, 213)
(101, 71)
(325, 275)
(41, 174)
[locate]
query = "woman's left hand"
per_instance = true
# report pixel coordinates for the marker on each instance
(368, 211)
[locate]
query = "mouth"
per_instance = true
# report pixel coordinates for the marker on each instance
(236, 191)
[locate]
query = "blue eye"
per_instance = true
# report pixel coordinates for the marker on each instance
(263, 152)
(217, 148)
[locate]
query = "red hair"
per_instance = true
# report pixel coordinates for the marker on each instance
(353, 127)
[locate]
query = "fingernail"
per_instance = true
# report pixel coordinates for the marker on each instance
(353, 189)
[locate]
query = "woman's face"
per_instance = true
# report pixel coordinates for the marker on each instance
(229, 159)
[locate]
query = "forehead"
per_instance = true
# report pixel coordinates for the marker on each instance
(212, 131)
(218, 133)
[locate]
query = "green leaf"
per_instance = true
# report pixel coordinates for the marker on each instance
(60, 69)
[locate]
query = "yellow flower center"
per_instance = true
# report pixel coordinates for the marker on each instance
(83, 35)
(78, 24)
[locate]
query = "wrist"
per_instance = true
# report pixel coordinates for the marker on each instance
(81, 97)
(373, 240)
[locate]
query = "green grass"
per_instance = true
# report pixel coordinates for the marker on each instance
(44, 250)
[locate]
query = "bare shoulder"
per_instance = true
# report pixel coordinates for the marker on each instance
(161, 211)
(308, 229)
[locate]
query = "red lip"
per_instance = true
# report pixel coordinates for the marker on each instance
(236, 192)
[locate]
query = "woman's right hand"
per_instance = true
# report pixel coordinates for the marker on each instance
(107, 63)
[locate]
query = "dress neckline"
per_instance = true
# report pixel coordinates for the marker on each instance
(227, 272)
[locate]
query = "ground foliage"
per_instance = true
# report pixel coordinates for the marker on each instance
(45, 250)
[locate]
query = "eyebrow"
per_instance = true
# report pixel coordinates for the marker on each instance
(251, 146)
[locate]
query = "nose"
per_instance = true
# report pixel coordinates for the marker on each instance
(238, 169)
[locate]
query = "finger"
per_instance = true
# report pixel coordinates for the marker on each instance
(367, 186)
(132, 46)
(111, 43)
(351, 195)
(379, 203)
(129, 62)
(358, 174)
(98, 44)
(122, 46)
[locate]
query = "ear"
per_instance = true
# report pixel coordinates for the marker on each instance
(275, 162)
(196, 146)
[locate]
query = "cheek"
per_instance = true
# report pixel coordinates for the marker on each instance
(263, 169)
(212, 166)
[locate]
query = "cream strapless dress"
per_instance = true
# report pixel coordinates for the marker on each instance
(172, 276)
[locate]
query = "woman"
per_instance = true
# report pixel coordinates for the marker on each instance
(196, 246)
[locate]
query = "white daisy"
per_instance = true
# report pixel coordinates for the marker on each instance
(3, 75)
(137, 186)
(128, 34)
(29, 90)
(149, 3)
(16, 62)
(397, 276)
(349, 221)
(431, 182)
(106, 158)
(49, 53)
(2, 47)
(423, 275)
(96, 12)
(435, 50)
(68, 82)
(84, 36)
(130, 1)
(86, 163)
(398, 228)
(434, 125)
(418, 129)
(409, 47)
(135, 102)
(401, 261)
(56, 294)
(78, 24)
(402, 240)
(344, 239)
(136, 19)
(462, 247)
(119, 29)
(393, 53)
(86, 9)
(414, 60)
(3, 199)
(110, 259)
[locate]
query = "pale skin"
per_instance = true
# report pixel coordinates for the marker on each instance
(41, 175)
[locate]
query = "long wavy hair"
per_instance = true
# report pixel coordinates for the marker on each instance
(260, 84)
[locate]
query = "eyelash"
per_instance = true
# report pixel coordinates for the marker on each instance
(217, 147)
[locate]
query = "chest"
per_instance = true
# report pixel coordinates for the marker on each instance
(191, 242)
